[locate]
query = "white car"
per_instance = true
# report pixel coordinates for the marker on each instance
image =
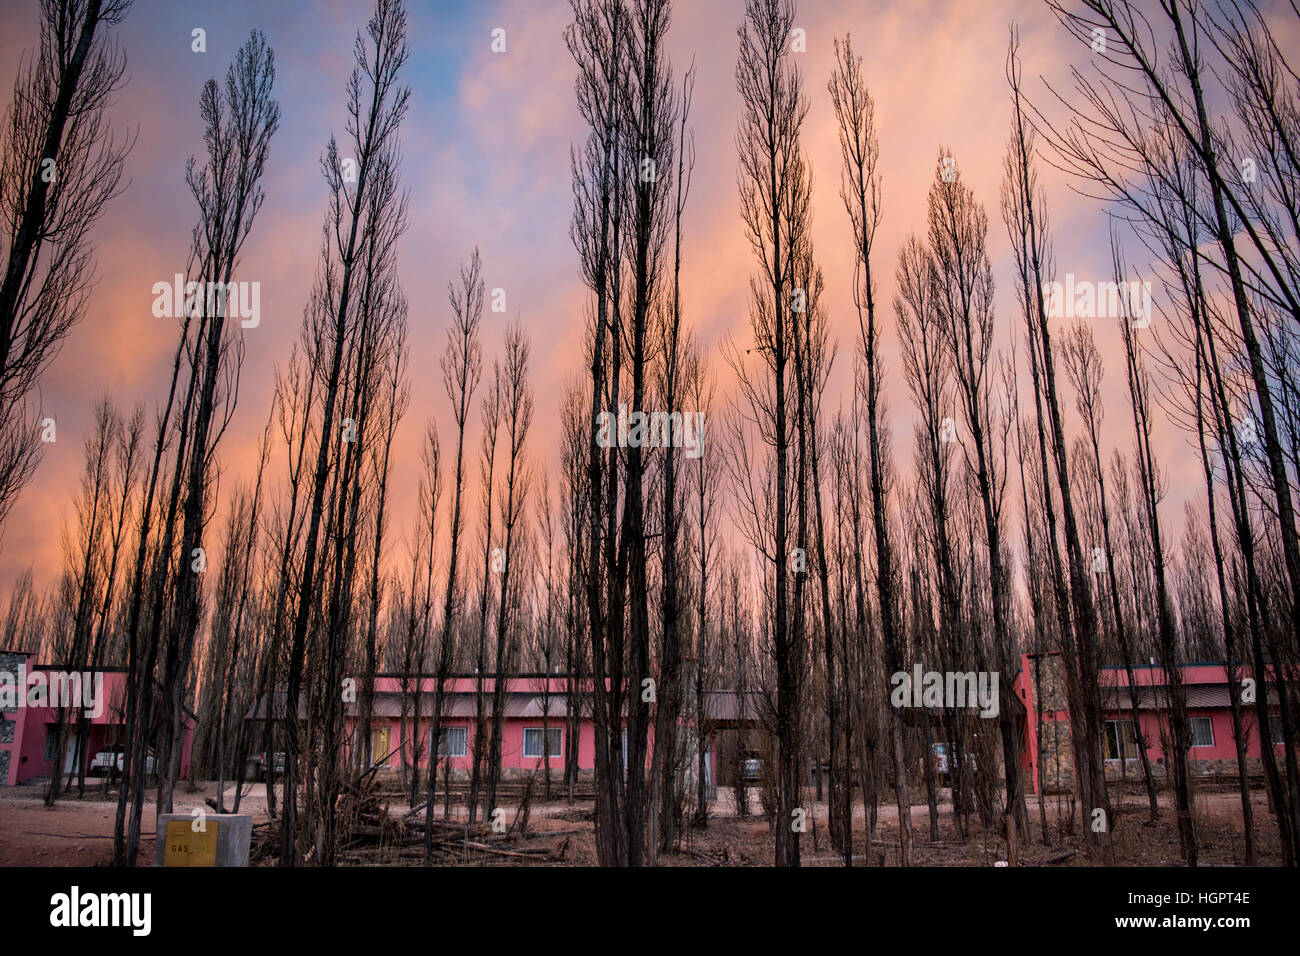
(113, 760)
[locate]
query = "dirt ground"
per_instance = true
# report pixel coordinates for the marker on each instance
(79, 832)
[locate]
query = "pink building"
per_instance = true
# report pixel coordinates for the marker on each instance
(28, 734)
(534, 725)
(1213, 747)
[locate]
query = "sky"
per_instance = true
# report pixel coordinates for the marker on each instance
(485, 151)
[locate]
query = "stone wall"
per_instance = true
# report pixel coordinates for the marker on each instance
(1055, 748)
(1049, 670)
(1056, 754)
(1132, 769)
(9, 662)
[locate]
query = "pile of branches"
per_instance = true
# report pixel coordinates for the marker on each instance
(369, 833)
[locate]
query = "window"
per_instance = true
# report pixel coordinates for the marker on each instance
(1120, 740)
(452, 741)
(533, 742)
(51, 742)
(380, 746)
(1202, 732)
(1275, 724)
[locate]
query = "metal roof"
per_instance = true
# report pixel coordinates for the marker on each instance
(1157, 698)
(720, 706)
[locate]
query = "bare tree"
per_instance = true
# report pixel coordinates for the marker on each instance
(376, 107)
(1024, 211)
(927, 368)
(573, 468)
(240, 119)
(517, 406)
(672, 389)
(127, 462)
(240, 122)
(83, 549)
(775, 189)
(706, 488)
(958, 229)
(396, 400)
(462, 367)
(860, 191)
(244, 537)
(492, 409)
(59, 167)
(1083, 367)
(1118, 140)
(545, 632)
(597, 41)
(415, 652)
(1170, 652)
(623, 211)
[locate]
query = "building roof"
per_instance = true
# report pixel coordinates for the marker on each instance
(528, 704)
(727, 706)
(1203, 696)
(1157, 698)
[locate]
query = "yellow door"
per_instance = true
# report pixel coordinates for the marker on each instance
(379, 746)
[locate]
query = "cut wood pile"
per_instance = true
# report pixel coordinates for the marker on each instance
(370, 833)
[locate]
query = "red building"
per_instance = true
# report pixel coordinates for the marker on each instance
(535, 724)
(1209, 709)
(29, 734)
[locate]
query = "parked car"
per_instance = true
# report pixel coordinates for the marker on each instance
(104, 762)
(751, 767)
(112, 760)
(257, 764)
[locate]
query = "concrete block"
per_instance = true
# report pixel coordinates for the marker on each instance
(223, 840)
